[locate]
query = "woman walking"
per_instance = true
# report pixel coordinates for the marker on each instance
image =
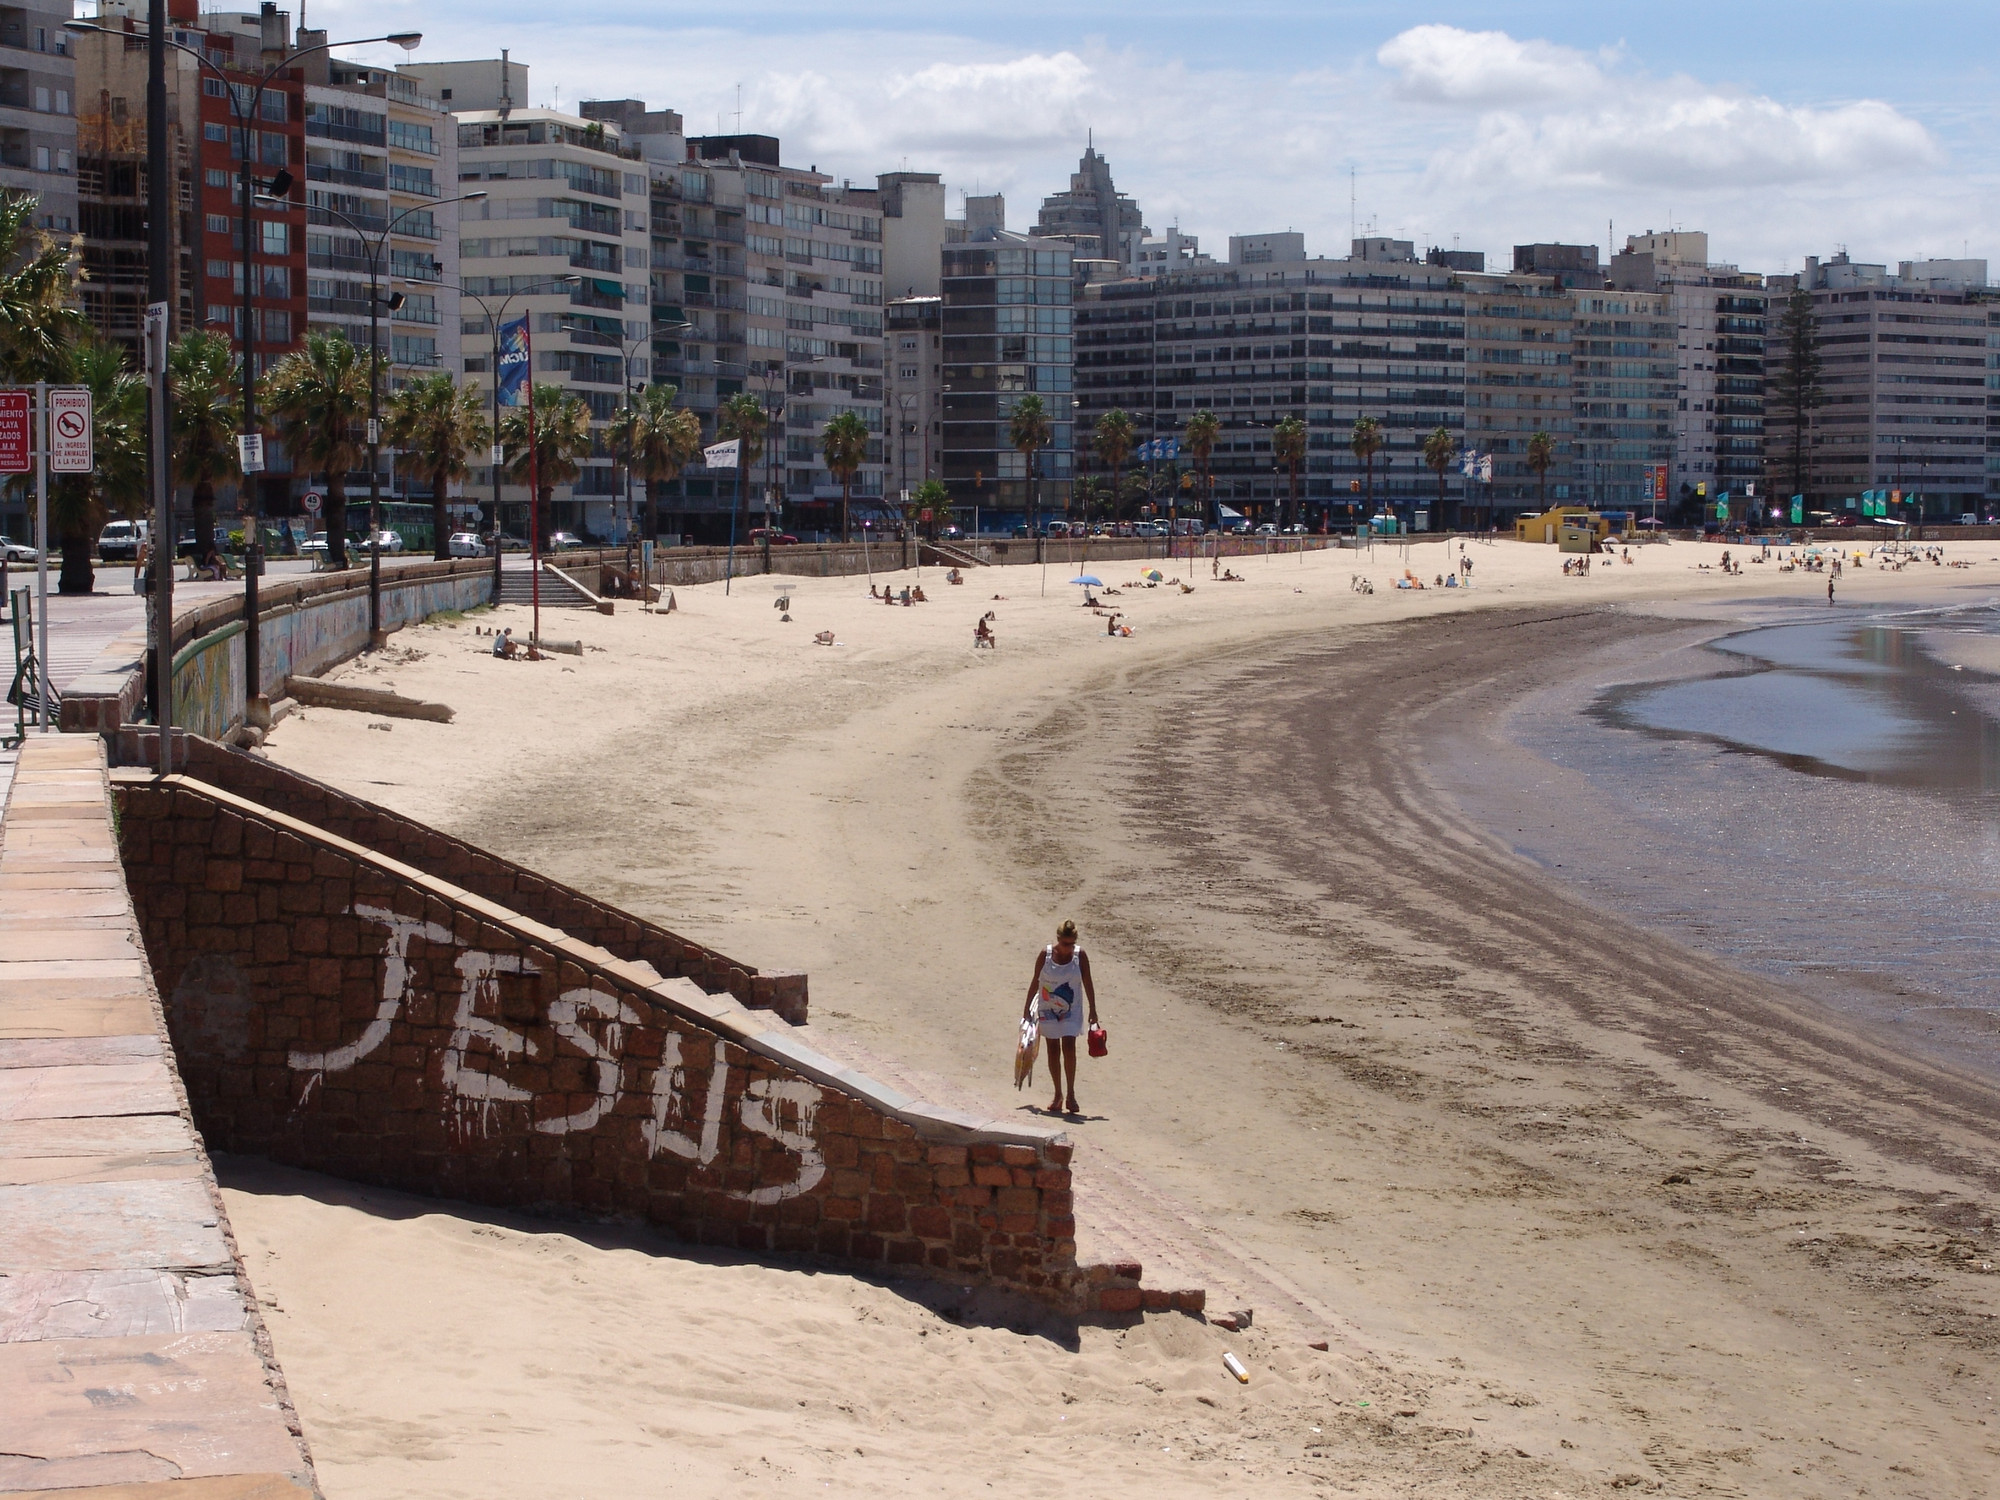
(1057, 995)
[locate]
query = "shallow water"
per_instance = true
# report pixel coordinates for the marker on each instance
(1818, 802)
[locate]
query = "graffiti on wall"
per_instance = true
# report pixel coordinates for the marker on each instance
(479, 1062)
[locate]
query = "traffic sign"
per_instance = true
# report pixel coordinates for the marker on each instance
(311, 501)
(17, 450)
(69, 431)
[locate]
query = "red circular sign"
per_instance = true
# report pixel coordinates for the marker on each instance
(69, 424)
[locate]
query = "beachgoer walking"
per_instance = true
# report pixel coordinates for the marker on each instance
(1829, 591)
(1057, 995)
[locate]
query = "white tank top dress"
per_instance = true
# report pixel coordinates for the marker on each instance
(1059, 1006)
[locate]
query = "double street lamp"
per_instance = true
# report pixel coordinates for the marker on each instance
(246, 106)
(372, 250)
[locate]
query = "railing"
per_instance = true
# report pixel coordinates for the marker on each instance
(318, 262)
(413, 187)
(354, 134)
(728, 300)
(596, 340)
(315, 172)
(410, 314)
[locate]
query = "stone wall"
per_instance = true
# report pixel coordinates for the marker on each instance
(521, 890)
(339, 1010)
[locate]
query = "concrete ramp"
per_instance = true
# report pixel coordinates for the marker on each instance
(132, 1360)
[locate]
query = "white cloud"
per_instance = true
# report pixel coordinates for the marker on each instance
(1444, 65)
(1477, 136)
(1551, 115)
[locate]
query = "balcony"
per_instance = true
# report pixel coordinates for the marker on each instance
(378, 181)
(365, 223)
(354, 134)
(412, 185)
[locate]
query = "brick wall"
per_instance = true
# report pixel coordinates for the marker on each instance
(520, 890)
(338, 1010)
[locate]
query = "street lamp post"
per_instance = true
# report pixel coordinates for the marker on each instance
(373, 250)
(256, 706)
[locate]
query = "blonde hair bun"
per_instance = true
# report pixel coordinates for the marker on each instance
(1067, 930)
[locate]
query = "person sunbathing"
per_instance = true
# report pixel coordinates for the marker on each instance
(982, 633)
(952, 577)
(917, 595)
(888, 594)
(871, 592)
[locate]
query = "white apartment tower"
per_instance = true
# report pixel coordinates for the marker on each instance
(563, 237)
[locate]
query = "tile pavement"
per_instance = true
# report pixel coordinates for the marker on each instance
(132, 1362)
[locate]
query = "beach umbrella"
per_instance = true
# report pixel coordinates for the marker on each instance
(1089, 580)
(1154, 575)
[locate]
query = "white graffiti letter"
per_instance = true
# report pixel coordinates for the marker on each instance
(395, 990)
(566, 1015)
(670, 1096)
(765, 1103)
(477, 982)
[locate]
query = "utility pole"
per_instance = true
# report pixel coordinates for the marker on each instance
(159, 327)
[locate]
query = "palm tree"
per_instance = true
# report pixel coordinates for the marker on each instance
(318, 395)
(932, 496)
(1440, 451)
(207, 413)
(843, 443)
(117, 485)
(439, 423)
(38, 276)
(744, 418)
(1199, 438)
(1366, 443)
(656, 440)
(1541, 454)
(1030, 430)
(1288, 444)
(562, 439)
(1114, 437)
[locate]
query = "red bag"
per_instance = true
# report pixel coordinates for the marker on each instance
(1098, 1041)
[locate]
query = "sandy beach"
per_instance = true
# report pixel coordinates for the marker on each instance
(1579, 1205)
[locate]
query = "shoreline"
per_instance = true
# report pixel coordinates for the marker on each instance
(1467, 1142)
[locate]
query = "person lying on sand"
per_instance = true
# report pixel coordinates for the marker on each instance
(1187, 588)
(824, 638)
(1089, 599)
(1230, 575)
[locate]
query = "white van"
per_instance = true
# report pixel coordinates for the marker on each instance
(120, 540)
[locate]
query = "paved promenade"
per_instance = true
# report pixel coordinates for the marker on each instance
(132, 1362)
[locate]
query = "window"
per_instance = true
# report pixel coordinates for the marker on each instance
(276, 324)
(277, 238)
(635, 182)
(210, 131)
(64, 162)
(217, 177)
(273, 108)
(62, 101)
(907, 372)
(218, 223)
(41, 101)
(214, 88)
(411, 137)
(220, 269)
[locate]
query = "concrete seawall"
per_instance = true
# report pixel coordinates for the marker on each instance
(132, 1360)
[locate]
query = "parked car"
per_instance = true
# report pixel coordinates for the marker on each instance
(1969, 518)
(388, 541)
(951, 534)
(314, 545)
(1269, 528)
(467, 544)
(1842, 521)
(564, 541)
(120, 540)
(761, 534)
(1297, 528)
(512, 544)
(16, 552)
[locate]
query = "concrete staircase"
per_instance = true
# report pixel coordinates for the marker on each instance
(558, 592)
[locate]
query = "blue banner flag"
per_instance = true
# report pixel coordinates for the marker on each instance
(514, 362)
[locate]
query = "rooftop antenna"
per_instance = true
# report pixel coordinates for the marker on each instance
(1351, 220)
(739, 109)
(506, 86)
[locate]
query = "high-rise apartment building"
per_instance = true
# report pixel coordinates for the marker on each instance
(767, 280)
(38, 108)
(914, 398)
(1519, 371)
(1906, 361)
(111, 181)
(1276, 334)
(566, 197)
(381, 159)
(1006, 334)
(1720, 322)
(1625, 383)
(1093, 217)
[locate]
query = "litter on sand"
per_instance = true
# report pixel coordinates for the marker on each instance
(1235, 1367)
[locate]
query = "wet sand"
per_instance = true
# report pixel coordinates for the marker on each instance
(1623, 1214)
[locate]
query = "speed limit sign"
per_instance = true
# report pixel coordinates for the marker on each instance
(311, 501)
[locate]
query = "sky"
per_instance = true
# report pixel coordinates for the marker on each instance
(1782, 130)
